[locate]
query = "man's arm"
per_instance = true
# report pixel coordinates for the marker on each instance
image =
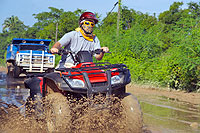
(65, 40)
(100, 56)
(55, 48)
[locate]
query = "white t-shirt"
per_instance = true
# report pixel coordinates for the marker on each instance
(75, 42)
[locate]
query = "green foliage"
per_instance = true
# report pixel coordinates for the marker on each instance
(163, 51)
(13, 24)
(173, 15)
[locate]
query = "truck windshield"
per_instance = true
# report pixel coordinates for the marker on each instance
(32, 47)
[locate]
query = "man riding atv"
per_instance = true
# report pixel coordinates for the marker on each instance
(82, 39)
(78, 77)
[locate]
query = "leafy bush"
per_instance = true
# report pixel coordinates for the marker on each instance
(162, 51)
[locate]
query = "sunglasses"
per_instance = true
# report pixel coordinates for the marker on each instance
(89, 23)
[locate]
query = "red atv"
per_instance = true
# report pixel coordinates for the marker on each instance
(85, 79)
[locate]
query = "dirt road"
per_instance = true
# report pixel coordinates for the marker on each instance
(167, 110)
(193, 98)
(3, 69)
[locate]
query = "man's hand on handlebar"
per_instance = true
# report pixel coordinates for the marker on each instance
(54, 50)
(100, 54)
(105, 49)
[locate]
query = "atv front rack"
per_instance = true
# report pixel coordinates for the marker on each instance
(93, 66)
(83, 70)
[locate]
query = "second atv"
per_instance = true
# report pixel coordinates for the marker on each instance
(85, 79)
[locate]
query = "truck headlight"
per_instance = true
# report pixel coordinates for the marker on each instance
(116, 79)
(51, 59)
(76, 83)
(21, 57)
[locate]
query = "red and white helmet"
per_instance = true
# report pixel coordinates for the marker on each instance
(88, 15)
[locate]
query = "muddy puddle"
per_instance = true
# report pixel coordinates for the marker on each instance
(165, 115)
(160, 114)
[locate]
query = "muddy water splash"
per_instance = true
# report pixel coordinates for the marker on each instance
(12, 121)
(97, 115)
(12, 109)
(161, 115)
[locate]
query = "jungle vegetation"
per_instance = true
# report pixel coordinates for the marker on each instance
(163, 50)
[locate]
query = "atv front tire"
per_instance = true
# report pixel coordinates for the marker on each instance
(57, 112)
(133, 113)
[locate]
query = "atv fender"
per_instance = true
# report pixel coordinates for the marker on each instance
(127, 78)
(35, 84)
(52, 82)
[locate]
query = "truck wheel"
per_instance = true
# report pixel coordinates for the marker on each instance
(49, 70)
(16, 72)
(57, 113)
(10, 69)
(133, 113)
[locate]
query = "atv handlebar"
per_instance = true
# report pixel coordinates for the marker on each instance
(61, 52)
(65, 52)
(98, 51)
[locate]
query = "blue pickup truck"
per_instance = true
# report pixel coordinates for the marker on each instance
(29, 56)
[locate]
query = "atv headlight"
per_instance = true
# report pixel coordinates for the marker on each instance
(116, 79)
(76, 82)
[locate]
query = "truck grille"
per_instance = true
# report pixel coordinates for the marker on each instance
(35, 62)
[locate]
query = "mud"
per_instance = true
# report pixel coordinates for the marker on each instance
(164, 110)
(13, 121)
(3, 69)
(99, 115)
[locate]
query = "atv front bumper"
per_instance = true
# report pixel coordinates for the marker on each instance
(108, 87)
(98, 87)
